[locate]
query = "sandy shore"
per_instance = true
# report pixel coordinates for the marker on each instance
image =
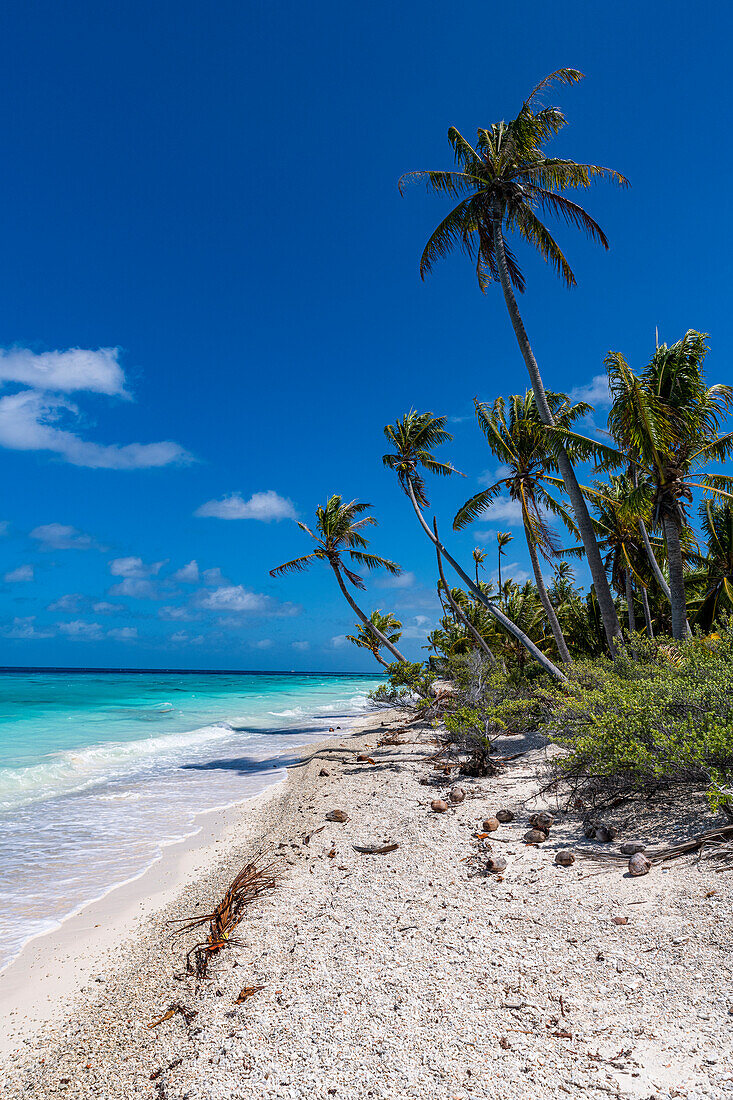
(409, 974)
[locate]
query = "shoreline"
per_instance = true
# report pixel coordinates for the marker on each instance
(389, 965)
(38, 984)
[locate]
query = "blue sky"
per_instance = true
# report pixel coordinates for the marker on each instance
(209, 290)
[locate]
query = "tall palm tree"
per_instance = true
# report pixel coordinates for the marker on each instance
(413, 439)
(503, 538)
(666, 423)
(339, 529)
(520, 442)
(506, 182)
(386, 624)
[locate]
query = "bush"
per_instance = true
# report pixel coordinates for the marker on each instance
(409, 683)
(489, 703)
(660, 719)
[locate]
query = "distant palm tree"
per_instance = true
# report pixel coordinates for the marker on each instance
(520, 442)
(479, 557)
(386, 624)
(413, 439)
(506, 182)
(339, 526)
(503, 538)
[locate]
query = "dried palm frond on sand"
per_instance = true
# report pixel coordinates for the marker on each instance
(251, 882)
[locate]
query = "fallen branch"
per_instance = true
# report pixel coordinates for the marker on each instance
(376, 851)
(250, 883)
(660, 855)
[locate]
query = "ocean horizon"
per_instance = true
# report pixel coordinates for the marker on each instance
(101, 769)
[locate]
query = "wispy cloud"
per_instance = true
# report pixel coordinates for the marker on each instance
(59, 536)
(134, 567)
(77, 628)
(22, 628)
(301, 646)
(20, 574)
(510, 511)
(240, 600)
(266, 506)
(65, 371)
(595, 392)
(187, 574)
(262, 643)
(404, 580)
(41, 418)
(138, 588)
(69, 603)
(123, 634)
(103, 607)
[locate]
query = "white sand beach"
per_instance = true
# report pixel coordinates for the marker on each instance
(406, 974)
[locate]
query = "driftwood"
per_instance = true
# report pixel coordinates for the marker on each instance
(660, 855)
(380, 851)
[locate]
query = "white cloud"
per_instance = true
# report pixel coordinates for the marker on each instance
(263, 643)
(25, 628)
(22, 573)
(28, 422)
(187, 574)
(404, 580)
(134, 567)
(175, 614)
(81, 630)
(105, 608)
(179, 637)
(65, 371)
(123, 634)
(59, 536)
(70, 602)
(137, 587)
(490, 477)
(338, 641)
(301, 646)
(503, 509)
(214, 577)
(236, 599)
(266, 506)
(511, 572)
(595, 392)
(4, 527)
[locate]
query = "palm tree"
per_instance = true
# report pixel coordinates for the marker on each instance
(479, 557)
(666, 423)
(386, 624)
(339, 529)
(503, 538)
(716, 573)
(521, 443)
(506, 182)
(618, 536)
(413, 438)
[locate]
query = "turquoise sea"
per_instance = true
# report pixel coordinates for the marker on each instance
(99, 771)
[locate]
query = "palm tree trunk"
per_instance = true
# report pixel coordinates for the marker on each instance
(611, 625)
(500, 617)
(499, 573)
(647, 613)
(367, 622)
(676, 578)
(562, 647)
(661, 579)
(630, 600)
(480, 642)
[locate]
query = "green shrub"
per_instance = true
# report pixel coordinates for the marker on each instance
(660, 718)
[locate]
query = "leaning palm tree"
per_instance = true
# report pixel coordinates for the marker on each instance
(386, 624)
(413, 439)
(506, 182)
(520, 442)
(665, 423)
(339, 529)
(503, 538)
